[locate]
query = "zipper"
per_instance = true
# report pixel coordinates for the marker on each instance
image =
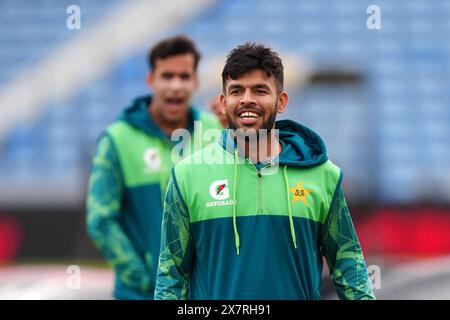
(259, 191)
(260, 195)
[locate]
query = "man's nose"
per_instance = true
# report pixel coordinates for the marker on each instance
(247, 98)
(176, 83)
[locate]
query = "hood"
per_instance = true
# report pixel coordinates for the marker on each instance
(137, 116)
(301, 147)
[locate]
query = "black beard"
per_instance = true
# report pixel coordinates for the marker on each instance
(268, 125)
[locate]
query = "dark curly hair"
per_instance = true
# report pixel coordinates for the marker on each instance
(173, 46)
(251, 56)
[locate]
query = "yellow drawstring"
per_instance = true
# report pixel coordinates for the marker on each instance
(291, 220)
(236, 234)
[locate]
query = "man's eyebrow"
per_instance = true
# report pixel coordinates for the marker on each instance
(235, 86)
(261, 86)
(256, 86)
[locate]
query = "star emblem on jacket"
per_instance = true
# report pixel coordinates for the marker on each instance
(300, 193)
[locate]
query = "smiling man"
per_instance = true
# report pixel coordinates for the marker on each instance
(132, 166)
(277, 211)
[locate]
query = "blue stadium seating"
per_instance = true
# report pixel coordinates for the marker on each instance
(389, 133)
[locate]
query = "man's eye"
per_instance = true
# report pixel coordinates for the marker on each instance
(260, 91)
(236, 91)
(185, 77)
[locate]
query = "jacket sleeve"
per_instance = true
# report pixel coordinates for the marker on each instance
(177, 250)
(104, 201)
(343, 253)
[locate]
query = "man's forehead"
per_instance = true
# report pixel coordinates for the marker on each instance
(253, 77)
(184, 61)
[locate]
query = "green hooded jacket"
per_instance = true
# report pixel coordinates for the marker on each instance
(236, 230)
(130, 172)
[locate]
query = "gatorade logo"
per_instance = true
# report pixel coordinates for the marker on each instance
(219, 190)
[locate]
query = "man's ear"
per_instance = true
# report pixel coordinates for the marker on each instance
(222, 103)
(282, 102)
(150, 79)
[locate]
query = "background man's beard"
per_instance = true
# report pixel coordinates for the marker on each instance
(170, 120)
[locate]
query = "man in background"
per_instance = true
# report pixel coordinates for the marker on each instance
(132, 166)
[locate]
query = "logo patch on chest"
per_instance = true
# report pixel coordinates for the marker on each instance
(219, 191)
(300, 193)
(152, 160)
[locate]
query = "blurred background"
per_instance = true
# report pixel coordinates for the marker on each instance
(379, 97)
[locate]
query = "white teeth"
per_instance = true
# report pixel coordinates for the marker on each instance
(249, 114)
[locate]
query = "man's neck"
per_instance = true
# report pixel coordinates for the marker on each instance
(166, 126)
(264, 150)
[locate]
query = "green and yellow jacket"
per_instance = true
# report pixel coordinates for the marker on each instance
(130, 172)
(237, 230)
